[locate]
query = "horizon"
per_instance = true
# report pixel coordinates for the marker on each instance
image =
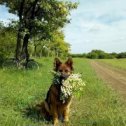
(100, 50)
(94, 24)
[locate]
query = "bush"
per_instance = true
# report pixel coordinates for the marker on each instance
(121, 55)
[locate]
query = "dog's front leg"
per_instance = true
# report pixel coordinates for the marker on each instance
(55, 118)
(54, 115)
(66, 115)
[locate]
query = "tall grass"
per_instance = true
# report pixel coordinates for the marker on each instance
(19, 89)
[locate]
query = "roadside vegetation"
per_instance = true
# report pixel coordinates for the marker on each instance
(118, 63)
(100, 54)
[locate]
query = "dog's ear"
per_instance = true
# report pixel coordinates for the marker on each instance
(69, 62)
(57, 63)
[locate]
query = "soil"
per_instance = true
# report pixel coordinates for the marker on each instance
(116, 78)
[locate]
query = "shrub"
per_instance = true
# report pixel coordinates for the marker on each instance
(121, 55)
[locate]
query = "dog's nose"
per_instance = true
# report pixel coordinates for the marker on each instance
(64, 76)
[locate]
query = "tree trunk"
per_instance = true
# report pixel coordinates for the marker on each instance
(18, 45)
(35, 48)
(27, 35)
(19, 36)
(25, 48)
(29, 27)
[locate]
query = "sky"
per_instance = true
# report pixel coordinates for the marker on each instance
(6, 17)
(95, 24)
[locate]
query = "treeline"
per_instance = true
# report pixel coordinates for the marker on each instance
(56, 46)
(7, 42)
(99, 54)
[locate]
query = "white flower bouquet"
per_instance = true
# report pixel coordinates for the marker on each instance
(72, 85)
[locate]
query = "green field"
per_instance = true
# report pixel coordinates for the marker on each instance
(98, 105)
(118, 63)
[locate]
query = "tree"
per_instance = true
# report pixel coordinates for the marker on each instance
(56, 46)
(38, 17)
(121, 55)
(1, 26)
(7, 41)
(98, 54)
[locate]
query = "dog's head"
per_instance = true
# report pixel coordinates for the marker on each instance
(65, 69)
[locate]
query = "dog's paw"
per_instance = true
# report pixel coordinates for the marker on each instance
(66, 123)
(66, 119)
(55, 122)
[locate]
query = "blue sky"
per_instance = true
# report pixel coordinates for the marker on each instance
(95, 24)
(5, 16)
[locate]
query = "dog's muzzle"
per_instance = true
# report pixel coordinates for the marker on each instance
(64, 76)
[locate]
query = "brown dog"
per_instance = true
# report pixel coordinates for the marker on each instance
(53, 106)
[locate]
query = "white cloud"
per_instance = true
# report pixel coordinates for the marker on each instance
(99, 24)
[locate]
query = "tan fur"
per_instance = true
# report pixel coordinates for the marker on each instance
(52, 106)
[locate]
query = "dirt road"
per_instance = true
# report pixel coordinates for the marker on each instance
(116, 78)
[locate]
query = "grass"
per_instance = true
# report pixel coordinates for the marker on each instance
(98, 105)
(118, 63)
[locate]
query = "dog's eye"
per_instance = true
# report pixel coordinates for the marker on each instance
(66, 70)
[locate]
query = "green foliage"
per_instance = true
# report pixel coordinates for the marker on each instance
(1, 25)
(78, 55)
(56, 46)
(7, 42)
(121, 55)
(113, 55)
(31, 49)
(99, 54)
